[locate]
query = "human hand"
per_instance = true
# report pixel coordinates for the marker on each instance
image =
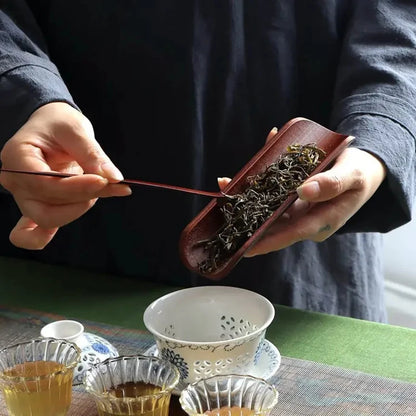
(59, 138)
(326, 201)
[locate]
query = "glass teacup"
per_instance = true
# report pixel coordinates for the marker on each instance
(229, 395)
(132, 385)
(36, 376)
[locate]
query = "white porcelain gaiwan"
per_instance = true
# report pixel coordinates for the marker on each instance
(209, 330)
(94, 349)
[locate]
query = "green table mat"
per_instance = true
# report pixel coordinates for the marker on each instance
(378, 349)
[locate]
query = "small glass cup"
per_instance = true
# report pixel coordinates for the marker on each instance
(229, 395)
(132, 385)
(36, 376)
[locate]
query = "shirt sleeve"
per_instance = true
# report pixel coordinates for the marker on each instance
(375, 101)
(28, 79)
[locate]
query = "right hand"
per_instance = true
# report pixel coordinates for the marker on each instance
(59, 138)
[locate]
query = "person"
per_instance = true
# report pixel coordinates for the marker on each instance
(184, 92)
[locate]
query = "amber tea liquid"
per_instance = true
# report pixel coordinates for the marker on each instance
(43, 394)
(154, 405)
(230, 411)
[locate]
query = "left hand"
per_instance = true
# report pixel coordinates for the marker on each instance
(326, 201)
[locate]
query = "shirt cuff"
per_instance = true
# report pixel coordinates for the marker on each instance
(23, 90)
(384, 126)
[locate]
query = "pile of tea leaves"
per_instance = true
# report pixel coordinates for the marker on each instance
(246, 212)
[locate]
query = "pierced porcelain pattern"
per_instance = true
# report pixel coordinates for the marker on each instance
(230, 328)
(234, 328)
(266, 365)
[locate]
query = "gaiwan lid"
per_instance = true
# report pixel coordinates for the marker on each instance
(298, 131)
(94, 348)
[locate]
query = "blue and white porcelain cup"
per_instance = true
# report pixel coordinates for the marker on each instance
(94, 349)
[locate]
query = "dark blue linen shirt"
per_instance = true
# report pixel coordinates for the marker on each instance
(185, 91)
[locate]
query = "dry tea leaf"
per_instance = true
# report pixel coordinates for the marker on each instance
(245, 213)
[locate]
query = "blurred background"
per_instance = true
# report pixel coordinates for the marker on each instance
(400, 274)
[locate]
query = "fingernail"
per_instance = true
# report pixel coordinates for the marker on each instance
(111, 172)
(275, 129)
(309, 190)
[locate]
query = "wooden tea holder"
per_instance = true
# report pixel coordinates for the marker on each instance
(206, 224)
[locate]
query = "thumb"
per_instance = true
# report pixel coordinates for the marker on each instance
(75, 135)
(343, 176)
(271, 134)
(223, 182)
(87, 151)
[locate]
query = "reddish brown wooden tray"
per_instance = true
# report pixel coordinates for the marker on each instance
(209, 220)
